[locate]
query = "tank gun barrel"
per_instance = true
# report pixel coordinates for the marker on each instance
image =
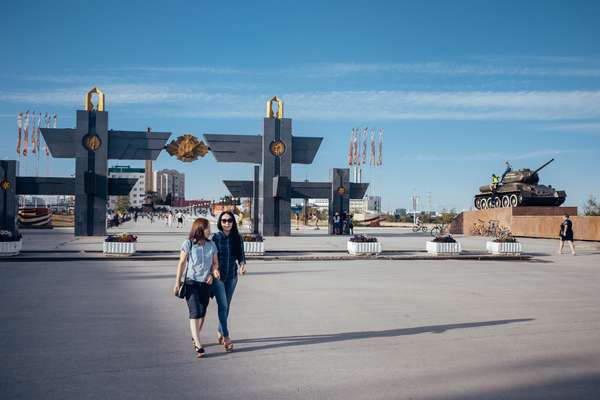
(537, 170)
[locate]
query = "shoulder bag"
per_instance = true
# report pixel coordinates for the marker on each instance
(182, 292)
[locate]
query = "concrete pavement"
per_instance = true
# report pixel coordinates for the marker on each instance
(311, 330)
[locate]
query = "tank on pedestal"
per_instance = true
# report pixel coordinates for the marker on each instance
(519, 188)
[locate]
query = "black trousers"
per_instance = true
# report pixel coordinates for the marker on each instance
(197, 297)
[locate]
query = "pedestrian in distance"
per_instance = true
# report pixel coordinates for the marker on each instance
(179, 217)
(345, 229)
(336, 224)
(350, 225)
(566, 235)
(200, 255)
(230, 246)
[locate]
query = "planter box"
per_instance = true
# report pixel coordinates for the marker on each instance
(363, 248)
(443, 249)
(254, 248)
(118, 248)
(506, 248)
(10, 248)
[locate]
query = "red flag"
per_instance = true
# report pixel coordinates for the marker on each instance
(33, 133)
(20, 131)
(25, 143)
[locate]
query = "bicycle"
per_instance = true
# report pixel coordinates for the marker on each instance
(419, 227)
(438, 230)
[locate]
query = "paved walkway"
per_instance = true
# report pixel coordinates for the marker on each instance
(311, 330)
(158, 240)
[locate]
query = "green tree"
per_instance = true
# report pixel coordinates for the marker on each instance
(122, 203)
(591, 207)
(448, 216)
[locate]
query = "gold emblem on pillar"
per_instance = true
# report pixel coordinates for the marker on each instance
(5, 185)
(277, 148)
(92, 142)
(271, 112)
(187, 148)
(89, 105)
(341, 190)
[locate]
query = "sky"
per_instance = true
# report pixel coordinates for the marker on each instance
(458, 86)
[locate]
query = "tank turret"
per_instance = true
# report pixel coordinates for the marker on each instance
(519, 188)
(525, 175)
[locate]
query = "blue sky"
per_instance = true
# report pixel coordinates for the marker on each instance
(459, 87)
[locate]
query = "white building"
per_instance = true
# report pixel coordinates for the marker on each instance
(319, 204)
(138, 192)
(170, 181)
(368, 204)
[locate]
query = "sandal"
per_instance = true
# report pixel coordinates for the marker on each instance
(220, 339)
(199, 350)
(228, 346)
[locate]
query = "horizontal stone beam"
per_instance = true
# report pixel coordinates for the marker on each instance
(60, 141)
(358, 190)
(311, 190)
(122, 145)
(45, 185)
(235, 148)
(132, 145)
(304, 149)
(240, 188)
(52, 186)
(297, 190)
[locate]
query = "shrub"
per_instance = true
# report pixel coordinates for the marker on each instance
(8, 236)
(253, 238)
(363, 239)
(591, 207)
(123, 238)
(443, 239)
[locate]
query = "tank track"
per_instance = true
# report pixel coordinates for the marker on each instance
(514, 199)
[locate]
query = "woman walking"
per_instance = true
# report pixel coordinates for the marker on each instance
(566, 235)
(200, 255)
(231, 254)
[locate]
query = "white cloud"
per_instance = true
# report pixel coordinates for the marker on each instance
(447, 68)
(186, 101)
(497, 156)
(579, 127)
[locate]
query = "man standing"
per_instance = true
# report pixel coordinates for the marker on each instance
(566, 235)
(179, 217)
(336, 224)
(506, 171)
(495, 181)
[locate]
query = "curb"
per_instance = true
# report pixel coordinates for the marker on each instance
(277, 258)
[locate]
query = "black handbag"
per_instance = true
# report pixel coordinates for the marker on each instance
(182, 292)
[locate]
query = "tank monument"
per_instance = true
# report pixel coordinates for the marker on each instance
(519, 188)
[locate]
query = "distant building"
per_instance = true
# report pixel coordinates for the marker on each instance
(368, 204)
(149, 177)
(170, 181)
(400, 212)
(200, 203)
(138, 193)
(319, 204)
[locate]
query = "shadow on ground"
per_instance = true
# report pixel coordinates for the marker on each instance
(292, 341)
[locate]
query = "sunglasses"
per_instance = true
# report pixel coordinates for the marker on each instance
(226, 221)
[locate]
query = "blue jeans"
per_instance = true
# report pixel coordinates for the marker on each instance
(223, 292)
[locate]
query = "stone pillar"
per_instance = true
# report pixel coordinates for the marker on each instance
(91, 184)
(255, 196)
(339, 200)
(275, 208)
(8, 195)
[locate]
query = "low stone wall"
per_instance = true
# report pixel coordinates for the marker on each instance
(584, 228)
(542, 222)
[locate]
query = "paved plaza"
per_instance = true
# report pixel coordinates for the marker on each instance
(365, 329)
